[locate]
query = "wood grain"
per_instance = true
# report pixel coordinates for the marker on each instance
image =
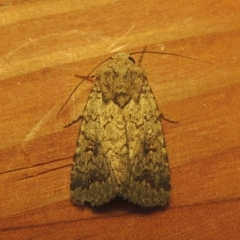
(45, 43)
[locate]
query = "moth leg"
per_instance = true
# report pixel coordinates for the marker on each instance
(85, 77)
(73, 121)
(167, 119)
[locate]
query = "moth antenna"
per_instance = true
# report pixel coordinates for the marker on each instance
(173, 54)
(141, 56)
(84, 78)
(139, 63)
(69, 97)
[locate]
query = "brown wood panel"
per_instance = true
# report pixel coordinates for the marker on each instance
(45, 43)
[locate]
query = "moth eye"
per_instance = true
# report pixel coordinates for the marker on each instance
(131, 59)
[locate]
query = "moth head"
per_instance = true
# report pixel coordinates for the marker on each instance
(123, 57)
(120, 80)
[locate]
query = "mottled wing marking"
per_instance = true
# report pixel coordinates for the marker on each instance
(120, 150)
(149, 180)
(92, 179)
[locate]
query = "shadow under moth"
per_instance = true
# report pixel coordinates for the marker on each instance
(120, 149)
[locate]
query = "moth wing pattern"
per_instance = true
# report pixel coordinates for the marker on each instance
(120, 149)
(92, 179)
(149, 180)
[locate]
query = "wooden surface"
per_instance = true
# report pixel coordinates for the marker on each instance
(45, 43)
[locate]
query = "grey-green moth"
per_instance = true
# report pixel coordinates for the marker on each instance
(121, 149)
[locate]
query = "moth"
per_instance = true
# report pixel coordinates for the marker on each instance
(120, 149)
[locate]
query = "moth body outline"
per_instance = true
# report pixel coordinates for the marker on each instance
(121, 149)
